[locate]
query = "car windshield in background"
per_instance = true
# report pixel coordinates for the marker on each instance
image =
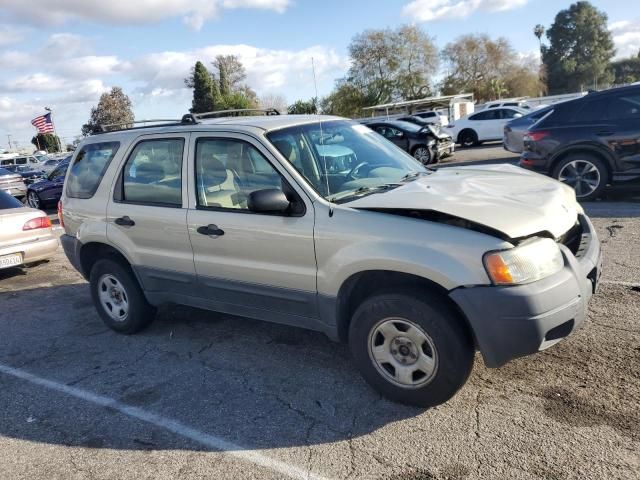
(343, 159)
(407, 126)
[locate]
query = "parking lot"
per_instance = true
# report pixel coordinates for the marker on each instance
(205, 395)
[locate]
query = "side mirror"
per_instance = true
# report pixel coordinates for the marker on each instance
(269, 200)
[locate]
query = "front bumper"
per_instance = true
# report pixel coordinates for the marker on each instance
(514, 321)
(16, 190)
(443, 149)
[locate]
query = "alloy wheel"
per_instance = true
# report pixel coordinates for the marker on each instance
(423, 155)
(113, 297)
(402, 352)
(33, 200)
(582, 175)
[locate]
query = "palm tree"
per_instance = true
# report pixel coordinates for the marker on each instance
(538, 31)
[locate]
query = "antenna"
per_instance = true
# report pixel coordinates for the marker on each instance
(324, 157)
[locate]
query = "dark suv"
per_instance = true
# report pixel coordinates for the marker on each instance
(589, 142)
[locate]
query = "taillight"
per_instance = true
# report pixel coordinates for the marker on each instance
(35, 223)
(535, 136)
(60, 217)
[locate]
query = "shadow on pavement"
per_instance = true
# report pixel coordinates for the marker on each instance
(256, 384)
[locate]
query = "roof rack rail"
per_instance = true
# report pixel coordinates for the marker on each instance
(232, 112)
(129, 125)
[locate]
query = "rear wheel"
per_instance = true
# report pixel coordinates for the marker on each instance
(411, 348)
(468, 138)
(118, 297)
(584, 172)
(422, 154)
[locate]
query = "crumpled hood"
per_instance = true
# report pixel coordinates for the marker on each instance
(506, 198)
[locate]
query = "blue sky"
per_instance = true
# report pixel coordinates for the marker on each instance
(76, 49)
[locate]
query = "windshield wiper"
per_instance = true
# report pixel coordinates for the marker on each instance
(363, 191)
(416, 174)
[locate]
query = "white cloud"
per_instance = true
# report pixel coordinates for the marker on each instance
(9, 35)
(35, 82)
(193, 12)
(430, 10)
(626, 36)
(65, 45)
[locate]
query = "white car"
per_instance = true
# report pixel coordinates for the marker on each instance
(433, 117)
(483, 126)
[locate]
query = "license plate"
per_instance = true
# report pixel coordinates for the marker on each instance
(12, 260)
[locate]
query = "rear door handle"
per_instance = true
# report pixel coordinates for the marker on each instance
(124, 221)
(211, 230)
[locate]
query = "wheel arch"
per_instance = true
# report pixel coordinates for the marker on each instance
(91, 252)
(362, 285)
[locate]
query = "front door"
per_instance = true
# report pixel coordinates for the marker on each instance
(623, 134)
(260, 265)
(147, 215)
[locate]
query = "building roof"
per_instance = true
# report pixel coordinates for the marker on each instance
(440, 100)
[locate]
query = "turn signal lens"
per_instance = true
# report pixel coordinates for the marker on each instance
(531, 261)
(35, 223)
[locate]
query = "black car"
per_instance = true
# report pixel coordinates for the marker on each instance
(49, 190)
(420, 141)
(29, 175)
(589, 142)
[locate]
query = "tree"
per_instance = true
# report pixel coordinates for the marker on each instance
(346, 100)
(580, 50)
(274, 100)
(113, 107)
(538, 31)
(206, 94)
(489, 69)
(304, 107)
(626, 70)
(47, 141)
(390, 65)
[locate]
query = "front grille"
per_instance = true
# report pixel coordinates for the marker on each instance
(577, 238)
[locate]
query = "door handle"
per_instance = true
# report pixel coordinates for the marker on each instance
(124, 221)
(211, 230)
(604, 133)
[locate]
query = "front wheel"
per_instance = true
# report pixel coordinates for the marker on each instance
(33, 200)
(422, 154)
(583, 172)
(413, 349)
(468, 138)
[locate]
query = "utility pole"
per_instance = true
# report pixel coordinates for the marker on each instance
(9, 140)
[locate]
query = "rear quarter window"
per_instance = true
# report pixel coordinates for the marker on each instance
(7, 201)
(88, 168)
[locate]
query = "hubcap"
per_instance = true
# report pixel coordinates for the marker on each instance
(113, 297)
(582, 175)
(422, 154)
(402, 352)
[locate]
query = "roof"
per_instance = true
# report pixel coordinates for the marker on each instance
(246, 123)
(408, 103)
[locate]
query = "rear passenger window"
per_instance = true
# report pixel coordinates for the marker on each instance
(625, 107)
(153, 173)
(591, 111)
(89, 167)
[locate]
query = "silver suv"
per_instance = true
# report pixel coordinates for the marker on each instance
(321, 223)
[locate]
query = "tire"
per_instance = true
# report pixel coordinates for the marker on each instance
(422, 154)
(586, 173)
(440, 367)
(468, 138)
(33, 200)
(129, 311)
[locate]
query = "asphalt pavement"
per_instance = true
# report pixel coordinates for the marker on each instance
(206, 395)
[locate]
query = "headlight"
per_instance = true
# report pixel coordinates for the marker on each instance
(527, 263)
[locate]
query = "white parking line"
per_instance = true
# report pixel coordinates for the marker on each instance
(174, 426)
(620, 283)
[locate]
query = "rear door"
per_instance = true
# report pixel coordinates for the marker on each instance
(249, 262)
(147, 214)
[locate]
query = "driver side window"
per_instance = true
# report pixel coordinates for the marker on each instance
(228, 171)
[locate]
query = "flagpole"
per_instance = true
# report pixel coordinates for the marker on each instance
(54, 128)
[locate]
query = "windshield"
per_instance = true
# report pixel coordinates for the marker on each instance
(342, 159)
(409, 127)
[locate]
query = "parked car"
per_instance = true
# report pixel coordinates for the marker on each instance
(486, 125)
(414, 268)
(521, 104)
(12, 183)
(47, 191)
(27, 172)
(20, 160)
(433, 117)
(514, 131)
(48, 165)
(419, 141)
(589, 142)
(25, 236)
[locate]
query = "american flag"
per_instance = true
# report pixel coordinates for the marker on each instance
(43, 123)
